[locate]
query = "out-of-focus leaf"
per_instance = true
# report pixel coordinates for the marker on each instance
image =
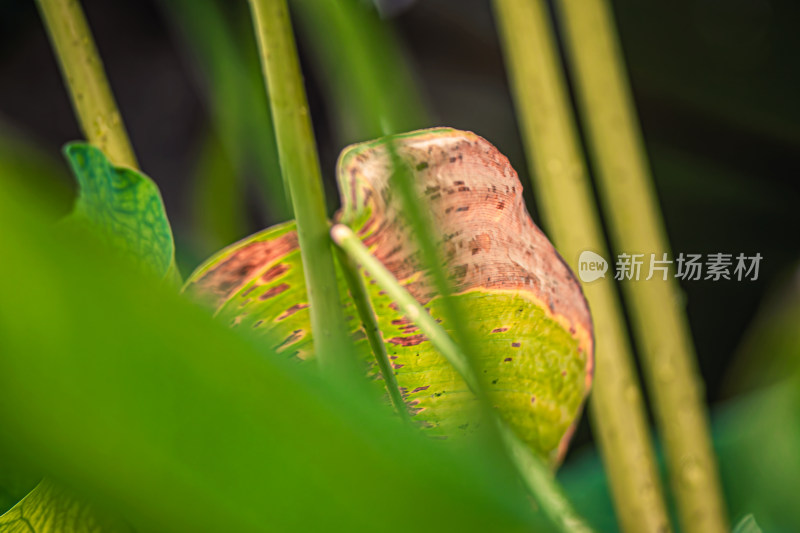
(24, 165)
(747, 525)
(30, 171)
(532, 322)
(756, 438)
(770, 350)
(757, 441)
(124, 206)
(139, 400)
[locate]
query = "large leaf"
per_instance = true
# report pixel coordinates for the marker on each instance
(139, 400)
(124, 206)
(525, 305)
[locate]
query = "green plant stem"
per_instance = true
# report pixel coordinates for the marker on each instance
(370, 323)
(568, 209)
(635, 224)
(367, 72)
(88, 86)
(409, 306)
(301, 173)
(533, 472)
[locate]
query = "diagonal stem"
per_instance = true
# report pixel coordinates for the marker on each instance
(87, 83)
(370, 323)
(533, 472)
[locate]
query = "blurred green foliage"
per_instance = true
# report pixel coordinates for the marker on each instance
(146, 404)
(119, 388)
(369, 77)
(222, 48)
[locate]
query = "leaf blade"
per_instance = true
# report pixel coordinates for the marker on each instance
(124, 205)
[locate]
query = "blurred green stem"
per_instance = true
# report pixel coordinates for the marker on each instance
(301, 172)
(569, 212)
(365, 68)
(83, 72)
(228, 64)
(533, 472)
(635, 224)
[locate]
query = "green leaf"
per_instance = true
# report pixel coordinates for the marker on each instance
(140, 401)
(124, 206)
(526, 308)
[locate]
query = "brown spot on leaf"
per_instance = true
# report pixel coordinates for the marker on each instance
(413, 340)
(218, 284)
(515, 345)
(274, 291)
(500, 330)
(274, 272)
(292, 310)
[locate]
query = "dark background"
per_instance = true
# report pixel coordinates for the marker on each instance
(715, 83)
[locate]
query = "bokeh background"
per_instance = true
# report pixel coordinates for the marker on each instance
(715, 82)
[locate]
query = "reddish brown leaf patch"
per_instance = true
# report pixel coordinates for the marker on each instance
(409, 341)
(274, 291)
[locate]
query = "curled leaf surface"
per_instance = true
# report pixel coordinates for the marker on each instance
(524, 304)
